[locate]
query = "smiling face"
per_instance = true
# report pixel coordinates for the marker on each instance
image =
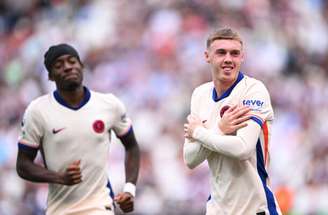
(225, 57)
(66, 72)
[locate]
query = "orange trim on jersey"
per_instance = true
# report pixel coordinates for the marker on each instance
(266, 141)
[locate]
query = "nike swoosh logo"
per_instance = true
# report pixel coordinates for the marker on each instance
(55, 131)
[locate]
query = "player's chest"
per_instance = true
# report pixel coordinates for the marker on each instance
(91, 125)
(211, 112)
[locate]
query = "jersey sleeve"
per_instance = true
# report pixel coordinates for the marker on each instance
(193, 151)
(258, 99)
(240, 146)
(31, 129)
(122, 124)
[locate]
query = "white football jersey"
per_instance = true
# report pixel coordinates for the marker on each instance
(239, 180)
(65, 134)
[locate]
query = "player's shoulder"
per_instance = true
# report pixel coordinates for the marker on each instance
(37, 107)
(254, 84)
(106, 98)
(202, 91)
(204, 88)
(40, 103)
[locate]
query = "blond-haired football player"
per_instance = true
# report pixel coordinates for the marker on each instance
(229, 126)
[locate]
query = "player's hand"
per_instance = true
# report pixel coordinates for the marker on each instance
(125, 201)
(192, 123)
(233, 119)
(72, 174)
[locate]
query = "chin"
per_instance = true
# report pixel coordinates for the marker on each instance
(72, 86)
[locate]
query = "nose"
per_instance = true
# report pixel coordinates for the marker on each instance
(67, 65)
(227, 58)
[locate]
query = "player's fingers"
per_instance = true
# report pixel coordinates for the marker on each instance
(242, 111)
(126, 204)
(120, 201)
(74, 165)
(242, 119)
(187, 136)
(242, 125)
(77, 162)
(232, 108)
(127, 208)
(125, 200)
(73, 179)
(77, 180)
(190, 118)
(237, 109)
(118, 197)
(73, 169)
(75, 175)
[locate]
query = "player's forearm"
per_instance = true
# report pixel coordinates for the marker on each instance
(132, 157)
(193, 153)
(132, 160)
(239, 146)
(36, 173)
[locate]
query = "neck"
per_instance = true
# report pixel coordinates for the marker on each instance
(222, 86)
(72, 97)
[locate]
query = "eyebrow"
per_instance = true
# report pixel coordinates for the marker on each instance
(227, 50)
(62, 59)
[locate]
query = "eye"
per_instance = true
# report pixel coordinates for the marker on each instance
(221, 52)
(57, 65)
(235, 53)
(72, 60)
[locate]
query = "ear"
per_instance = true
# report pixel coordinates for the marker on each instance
(207, 56)
(242, 56)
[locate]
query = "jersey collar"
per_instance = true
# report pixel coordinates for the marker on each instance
(228, 91)
(85, 100)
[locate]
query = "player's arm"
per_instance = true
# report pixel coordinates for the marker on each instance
(234, 119)
(193, 151)
(132, 161)
(132, 156)
(123, 130)
(27, 169)
(240, 146)
(29, 142)
(244, 142)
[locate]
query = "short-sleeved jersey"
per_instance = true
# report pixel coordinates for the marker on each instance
(65, 134)
(238, 186)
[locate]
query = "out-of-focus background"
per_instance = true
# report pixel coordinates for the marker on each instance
(150, 54)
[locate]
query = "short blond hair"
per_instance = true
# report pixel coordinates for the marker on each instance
(223, 34)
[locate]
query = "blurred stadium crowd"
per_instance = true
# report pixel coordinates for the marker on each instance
(150, 54)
